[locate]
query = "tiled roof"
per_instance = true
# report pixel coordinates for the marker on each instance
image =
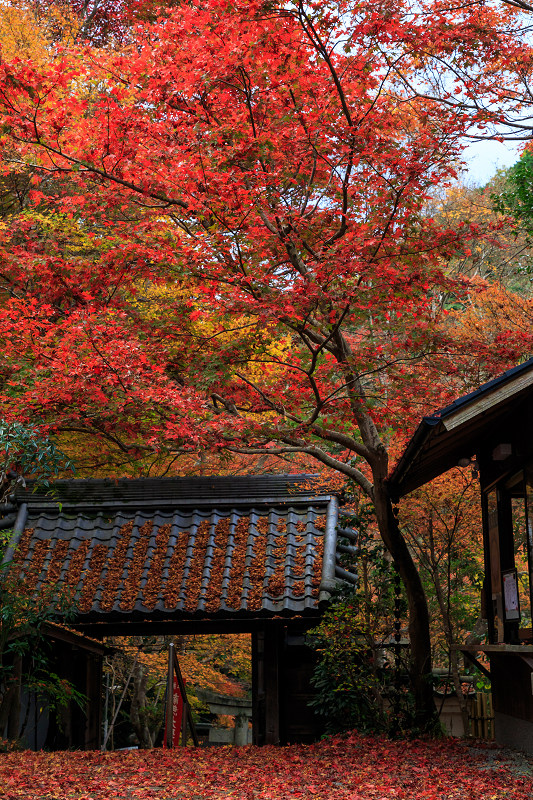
(179, 547)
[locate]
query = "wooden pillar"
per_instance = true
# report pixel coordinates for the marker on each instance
(507, 559)
(273, 652)
(528, 489)
(266, 670)
(298, 721)
(169, 707)
(93, 725)
(487, 607)
(258, 687)
(493, 540)
(499, 556)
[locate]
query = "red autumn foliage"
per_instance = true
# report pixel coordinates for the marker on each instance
(263, 168)
(355, 768)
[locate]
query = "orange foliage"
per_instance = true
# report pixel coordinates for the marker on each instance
(205, 661)
(442, 522)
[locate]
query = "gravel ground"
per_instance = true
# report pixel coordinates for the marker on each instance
(489, 755)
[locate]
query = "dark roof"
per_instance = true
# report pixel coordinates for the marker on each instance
(172, 492)
(456, 431)
(180, 548)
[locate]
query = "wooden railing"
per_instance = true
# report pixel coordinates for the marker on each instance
(178, 717)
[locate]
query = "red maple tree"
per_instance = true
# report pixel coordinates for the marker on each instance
(223, 241)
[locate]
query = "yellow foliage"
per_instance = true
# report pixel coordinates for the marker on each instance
(23, 35)
(209, 328)
(57, 231)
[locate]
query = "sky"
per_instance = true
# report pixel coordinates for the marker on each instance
(485, 157)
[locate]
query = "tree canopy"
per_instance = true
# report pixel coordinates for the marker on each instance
(224, 241)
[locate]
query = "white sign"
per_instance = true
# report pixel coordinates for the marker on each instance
(510, 593)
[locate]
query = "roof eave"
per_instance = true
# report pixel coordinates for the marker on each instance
(398, 483)
(451, 422)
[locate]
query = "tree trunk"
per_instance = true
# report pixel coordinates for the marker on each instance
(426, 717)
(138, 707)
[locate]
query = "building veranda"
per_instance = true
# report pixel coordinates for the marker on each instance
(491, 430)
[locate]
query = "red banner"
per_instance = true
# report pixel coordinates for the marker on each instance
(177, 715)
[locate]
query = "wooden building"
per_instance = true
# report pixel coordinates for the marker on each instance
(197, 555)
(77, 659)
(491, 431)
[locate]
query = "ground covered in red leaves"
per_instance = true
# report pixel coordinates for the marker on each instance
(351, 768)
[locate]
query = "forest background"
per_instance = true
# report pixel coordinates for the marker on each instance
(234, 239)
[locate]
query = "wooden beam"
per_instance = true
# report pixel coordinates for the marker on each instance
(473, 660)
(152, 626)
(488, 401)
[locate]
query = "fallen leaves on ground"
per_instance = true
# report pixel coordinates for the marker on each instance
(343, 768)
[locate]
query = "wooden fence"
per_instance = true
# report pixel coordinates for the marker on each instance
(481, 715)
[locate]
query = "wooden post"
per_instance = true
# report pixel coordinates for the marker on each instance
(258, 687)
(187, 724)
(187, 715)
(507, 558)
(93, 692)
(529, 537)
(493, 532)
(169, 711)
(272, 655)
